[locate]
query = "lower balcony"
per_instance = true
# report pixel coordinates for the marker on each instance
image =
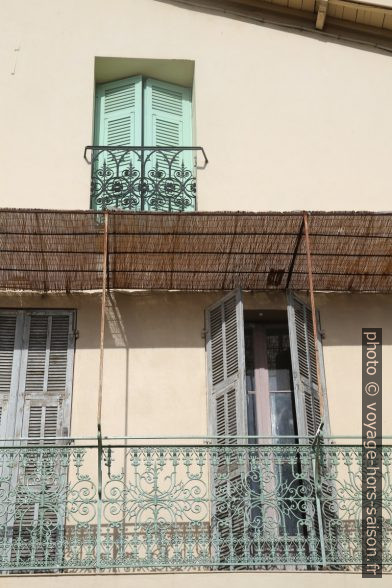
(79, 505)
(154, 179)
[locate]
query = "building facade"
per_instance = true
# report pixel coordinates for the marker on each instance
(180, 322)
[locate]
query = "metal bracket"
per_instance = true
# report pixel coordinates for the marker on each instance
(317, 437)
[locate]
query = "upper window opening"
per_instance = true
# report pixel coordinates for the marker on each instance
(143, 156)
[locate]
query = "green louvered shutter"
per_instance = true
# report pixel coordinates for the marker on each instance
(118, 122)
(168, 123)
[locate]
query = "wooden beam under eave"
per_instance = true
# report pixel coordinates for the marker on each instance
(321, 14)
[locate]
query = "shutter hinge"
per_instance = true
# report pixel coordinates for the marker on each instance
(203, 333)
(322, 334)
(76, 334)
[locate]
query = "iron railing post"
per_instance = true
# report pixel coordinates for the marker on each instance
(317, 476)
(99, 505)
(142, 178)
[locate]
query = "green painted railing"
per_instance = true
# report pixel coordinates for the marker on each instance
(127, 504)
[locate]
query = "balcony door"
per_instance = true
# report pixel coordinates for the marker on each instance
(261, 383)
(136, 121)
(269, 381)
(36, 365)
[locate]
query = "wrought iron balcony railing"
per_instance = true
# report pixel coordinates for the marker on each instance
(144, 178)
(133, 506)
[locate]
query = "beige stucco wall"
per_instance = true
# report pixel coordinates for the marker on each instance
(155, 371)
(288, 121)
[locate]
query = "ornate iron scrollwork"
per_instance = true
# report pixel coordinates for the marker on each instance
(144, 178)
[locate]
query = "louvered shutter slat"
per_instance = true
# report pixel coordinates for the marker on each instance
(216, 339)
(7, 345)
(232, 413)
(220, 416)
(37, 344)
(35, 421)
(51, 421)
(57, 369)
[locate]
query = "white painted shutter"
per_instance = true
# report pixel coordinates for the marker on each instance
(303, 358)
(44, 386)
(226, 367)
(7, 351)
(46, 375)
(10, 353)
(308, 408)
(228, 421)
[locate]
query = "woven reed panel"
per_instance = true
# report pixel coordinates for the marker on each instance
(62, 251)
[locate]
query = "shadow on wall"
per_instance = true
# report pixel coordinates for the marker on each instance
(137, 321)
(176, 320)
(343, 317)
(145, 320)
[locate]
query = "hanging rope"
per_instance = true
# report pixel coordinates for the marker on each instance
(102, 331)
(313, 308)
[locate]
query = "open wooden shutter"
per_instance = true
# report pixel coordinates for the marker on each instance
(43, 413)
(10, 354)
(168, 123)
(226, 367)
(303, 358)
(308, 409)
(45, 385)
(228, 421)
(118, 122)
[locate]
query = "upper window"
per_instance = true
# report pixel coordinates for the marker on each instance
(137, 112)
(142, 154)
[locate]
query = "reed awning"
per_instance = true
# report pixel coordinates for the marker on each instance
(52, 250)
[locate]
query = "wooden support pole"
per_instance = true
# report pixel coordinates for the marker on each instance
(102, 333)
(313, 309)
